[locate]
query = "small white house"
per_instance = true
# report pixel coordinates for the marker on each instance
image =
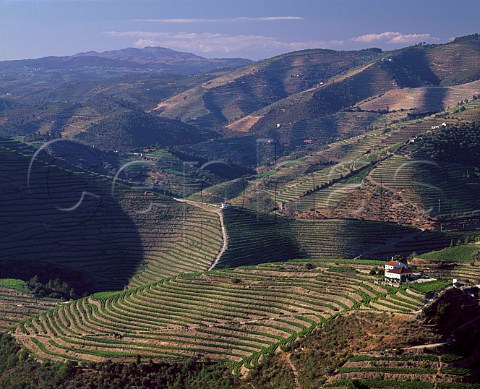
(225, 205)
(397, 271)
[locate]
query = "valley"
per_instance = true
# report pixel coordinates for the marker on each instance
(230, 220)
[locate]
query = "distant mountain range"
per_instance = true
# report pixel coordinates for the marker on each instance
(156, 59)
(298, 95)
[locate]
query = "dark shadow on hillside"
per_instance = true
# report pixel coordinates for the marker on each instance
(257, 238)
(301, 110)
(211, 103)
(433, 100)
(348, 238)
(69, 221)
(455, 315)
(411, 68)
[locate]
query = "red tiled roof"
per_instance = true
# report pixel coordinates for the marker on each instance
(400, 270)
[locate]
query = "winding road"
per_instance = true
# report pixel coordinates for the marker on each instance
(218, 211)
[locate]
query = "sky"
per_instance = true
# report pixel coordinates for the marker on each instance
(254, 29)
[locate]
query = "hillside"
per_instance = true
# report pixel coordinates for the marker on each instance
(309, 76)
(230, 97)
(418, 100)
(255, 238)
(254, 311)
(110, 233)
(106, 123)
(17, 305)
(308, 99)
(248, 313)
(136, 130)
(288, 120)
(417, 171)
(230, 228)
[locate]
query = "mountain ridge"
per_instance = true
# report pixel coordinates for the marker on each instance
(128, 59)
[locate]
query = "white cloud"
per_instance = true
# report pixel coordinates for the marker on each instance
(393, 38)
(207, 43)
(239, 19)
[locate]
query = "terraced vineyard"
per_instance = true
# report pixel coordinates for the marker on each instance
(440, 190)
(107, 230)
(304, 185)
(237, 315)
(256, 238)
(331, 196)
(456, 262)
(315, 181)
(218, 193)
(17, 306)
(187, 240)
(294, 183)
(402, 371)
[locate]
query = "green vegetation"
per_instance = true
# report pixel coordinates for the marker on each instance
(136, 129)
(218, 193)
(380, 383)
(13, 283)
(454, 144)
(453, 254)
(17, 305)
(239, 315)
(53, 288)
(428, 287)
(108, 241)
(255, 237)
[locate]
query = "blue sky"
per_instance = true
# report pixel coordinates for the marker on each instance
(224, 28)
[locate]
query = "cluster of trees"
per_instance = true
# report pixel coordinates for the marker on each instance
(456, 144)
(52, 288)
(49, 280)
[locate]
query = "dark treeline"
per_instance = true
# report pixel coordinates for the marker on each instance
(48, 280)
(19, 370)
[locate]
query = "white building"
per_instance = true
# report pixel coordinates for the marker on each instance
(397, 271)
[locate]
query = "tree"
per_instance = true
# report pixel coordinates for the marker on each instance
(400, 259)
(476, 255)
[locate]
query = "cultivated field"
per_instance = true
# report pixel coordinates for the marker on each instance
(236, 314)
(17, 306)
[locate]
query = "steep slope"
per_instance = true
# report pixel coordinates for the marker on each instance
(318, 96)
(296, 118)
(241, 92)
(17, 306)
(288, 120)
(104, 122)
(238, 315)
(136, 129)
(421, 100)
(255, 238)
(107, 231)
(429, 179)
(391, 173)
(456, 62)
